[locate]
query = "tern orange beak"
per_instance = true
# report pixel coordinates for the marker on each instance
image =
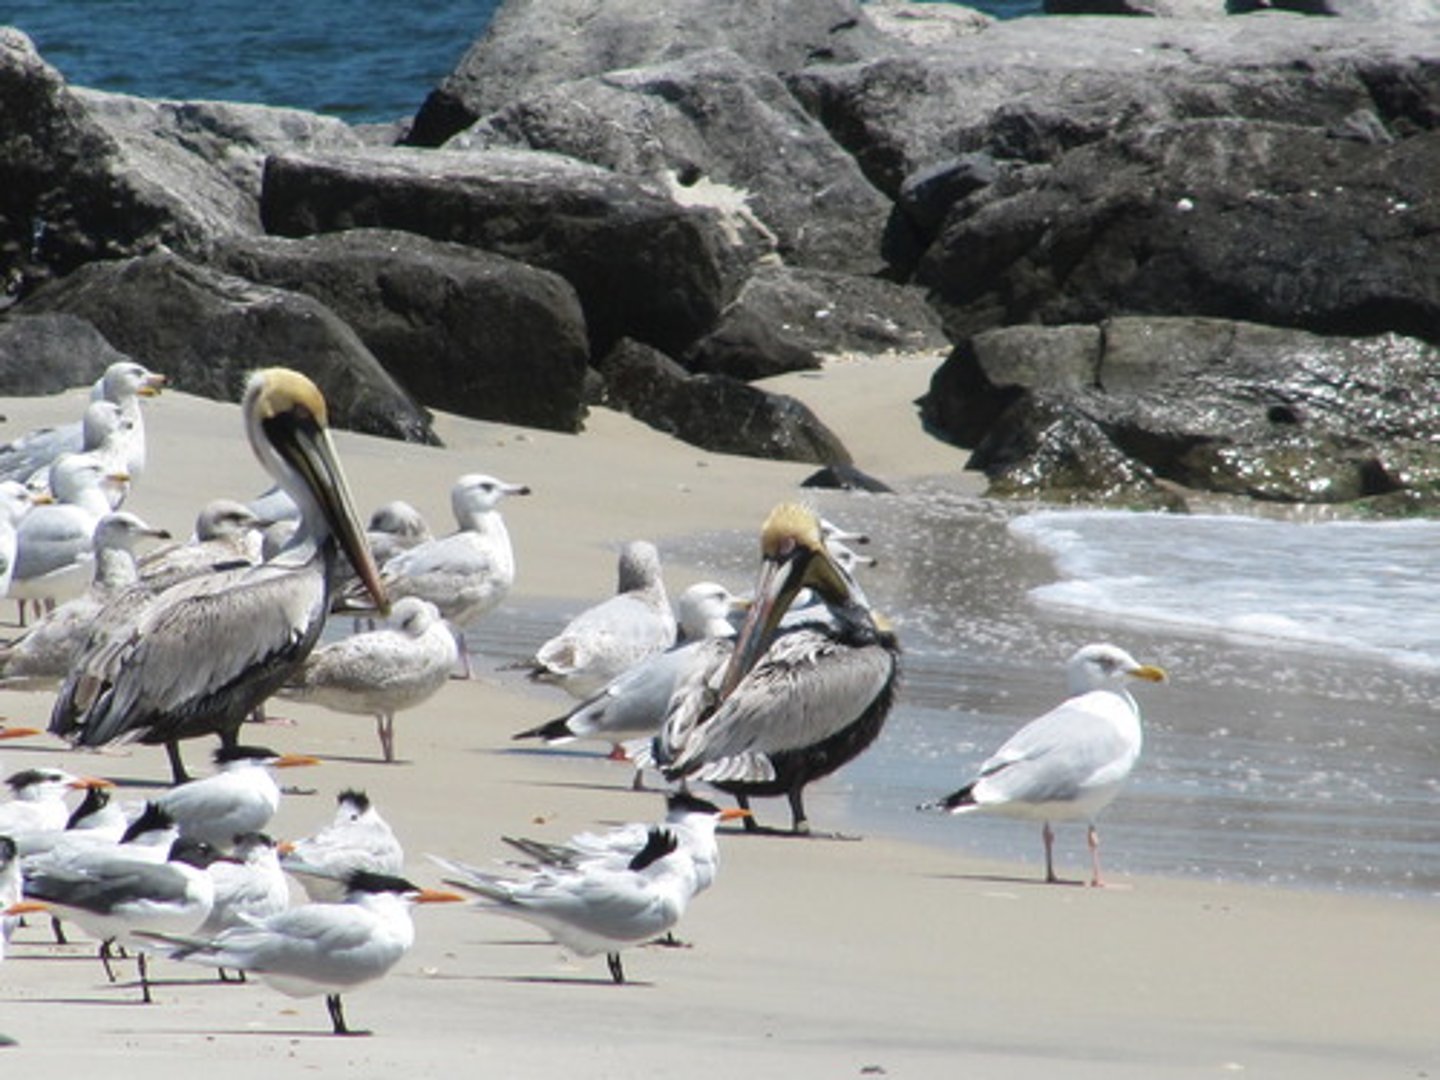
(19, 732)
(86, 782)
(734, 813)
(291, 761)
(26, 907)
(436, 896)
(285, 847)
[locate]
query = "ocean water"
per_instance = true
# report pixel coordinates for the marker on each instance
(1295, 745)
(361, 60)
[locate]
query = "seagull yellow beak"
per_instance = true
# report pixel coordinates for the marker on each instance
(1149, 673)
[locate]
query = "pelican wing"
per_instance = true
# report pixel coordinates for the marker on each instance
(187, 652)
(805, 689)
(1054, 758)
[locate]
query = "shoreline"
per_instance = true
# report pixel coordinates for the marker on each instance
(916, 962)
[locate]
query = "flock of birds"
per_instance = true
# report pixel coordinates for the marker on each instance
(754, 697)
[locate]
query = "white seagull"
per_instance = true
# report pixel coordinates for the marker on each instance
(470, 571)
(634, 703)
(241, 796)
(381, 672)
(227, 535)
(357, 839)
(596, 907)
(55, 541)
(616, 634)
(122, 384)
(203, 654)
(315, 949)
(42, 658)
(1068, 764)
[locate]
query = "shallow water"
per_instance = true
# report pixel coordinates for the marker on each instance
(1306, 755)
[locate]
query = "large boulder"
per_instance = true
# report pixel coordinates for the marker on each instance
(1032, 89)
(531, 45)
(715, 412)
(817, 312)
(461, 329)
(714, 115)
(1211, 405)
(86, 175)
(643, 265)
(207, 330)
(1246, 220)
(45, 354)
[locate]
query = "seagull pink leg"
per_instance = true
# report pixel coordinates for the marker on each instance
(1048, 835)
(1093, 839)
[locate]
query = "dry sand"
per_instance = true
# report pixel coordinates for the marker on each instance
(810, 958)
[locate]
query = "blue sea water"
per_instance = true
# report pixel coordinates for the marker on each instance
(361, 60)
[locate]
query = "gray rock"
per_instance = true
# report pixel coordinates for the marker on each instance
(45, 354)
(1033, 89)
(1165, 9)
(643, 266)
(86, 175)
(461, 329)
(1135, 405)
(206, 330)
(823, 312)
(532, 45)
(716, 116)
(925, 24)
(715, 412)
(1247, 220)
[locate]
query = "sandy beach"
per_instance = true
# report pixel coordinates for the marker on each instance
(809, 958)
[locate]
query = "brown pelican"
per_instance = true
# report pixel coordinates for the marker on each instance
(796, 702)
(200, 656)
(1068, 764)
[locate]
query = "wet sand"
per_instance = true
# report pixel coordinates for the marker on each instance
(809, 957)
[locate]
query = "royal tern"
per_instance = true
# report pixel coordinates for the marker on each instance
(357, 839)
(470, 571)
(249, 888)
(9, 888)
(37, 802)
(241, 796)
(693, 820)
(604, 640)
(115, 894)
(203, 654)
(794, 706)
(381, 672)
(1068, 764)
(42, 658)
(314, 949)
(595, 907)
